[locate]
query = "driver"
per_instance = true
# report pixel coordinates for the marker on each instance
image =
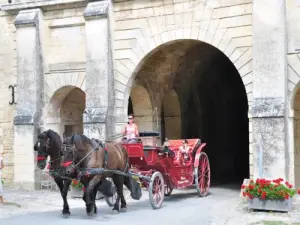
(130, 130)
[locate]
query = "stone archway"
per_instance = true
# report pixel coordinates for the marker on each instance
(212, 95)
(171, 116)
(142, 108)
(64, 112)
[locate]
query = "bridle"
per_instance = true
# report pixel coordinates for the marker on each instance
(47, 143)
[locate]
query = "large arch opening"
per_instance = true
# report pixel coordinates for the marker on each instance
(297, 137)
(65, 111)
(196, 82)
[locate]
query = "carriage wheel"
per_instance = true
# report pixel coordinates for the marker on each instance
(156, 190)
(202, 175)
(112, 200)
(168, 190)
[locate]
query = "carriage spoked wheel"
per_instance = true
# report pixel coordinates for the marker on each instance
(112, 200)
(202, 175)
(168, 189)
(156, 190)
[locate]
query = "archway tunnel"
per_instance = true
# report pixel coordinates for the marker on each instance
(65, 111)
(198, 93)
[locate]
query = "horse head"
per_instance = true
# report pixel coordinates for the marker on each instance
(48, 144)
(42, 147)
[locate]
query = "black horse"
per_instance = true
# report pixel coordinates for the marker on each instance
(49, 143)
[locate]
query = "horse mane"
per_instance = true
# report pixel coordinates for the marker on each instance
(54, 137)
(79, 139)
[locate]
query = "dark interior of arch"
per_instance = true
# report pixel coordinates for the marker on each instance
(213, 100)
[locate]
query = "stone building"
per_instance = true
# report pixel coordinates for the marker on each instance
(226, 71)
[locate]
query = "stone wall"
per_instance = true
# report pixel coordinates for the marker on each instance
(293, 106)
(8, 76)
(64, 51)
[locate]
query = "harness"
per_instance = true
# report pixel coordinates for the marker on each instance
(93, 171)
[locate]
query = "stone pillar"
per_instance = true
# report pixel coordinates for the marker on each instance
(291, 147)
(98, 119)
(270, 152)
(27, 120)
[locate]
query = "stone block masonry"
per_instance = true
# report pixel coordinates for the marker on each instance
(30, 81)
(8, 76)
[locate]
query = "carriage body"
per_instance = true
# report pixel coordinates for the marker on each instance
(148, 157)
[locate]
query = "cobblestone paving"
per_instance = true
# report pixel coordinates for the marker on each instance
(222, 206)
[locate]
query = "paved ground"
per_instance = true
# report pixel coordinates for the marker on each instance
(222, 206)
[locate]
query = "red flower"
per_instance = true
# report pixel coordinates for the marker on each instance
(243, 186)
(286, 196)
(259, 190)
(251, 187)
(244, 194)
(298, 192)
(75, 182)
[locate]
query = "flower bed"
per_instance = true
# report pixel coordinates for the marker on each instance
(77, 190)
(269, 194)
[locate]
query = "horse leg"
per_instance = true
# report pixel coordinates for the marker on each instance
(95, 194)
(63, 186)
(90, 195)
(119, 182)
(85, 183)
(127, 183)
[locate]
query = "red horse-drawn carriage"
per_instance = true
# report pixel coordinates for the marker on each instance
(161, 169)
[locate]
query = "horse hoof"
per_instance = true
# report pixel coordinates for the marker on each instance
(90, 214)
(114, 211)
(124, 209)
(66, 214)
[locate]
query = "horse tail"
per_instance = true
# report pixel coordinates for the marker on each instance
(125, 157)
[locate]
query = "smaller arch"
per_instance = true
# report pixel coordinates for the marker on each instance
(171, 115)
(293, 96)
(64, 112)
(142, 108)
